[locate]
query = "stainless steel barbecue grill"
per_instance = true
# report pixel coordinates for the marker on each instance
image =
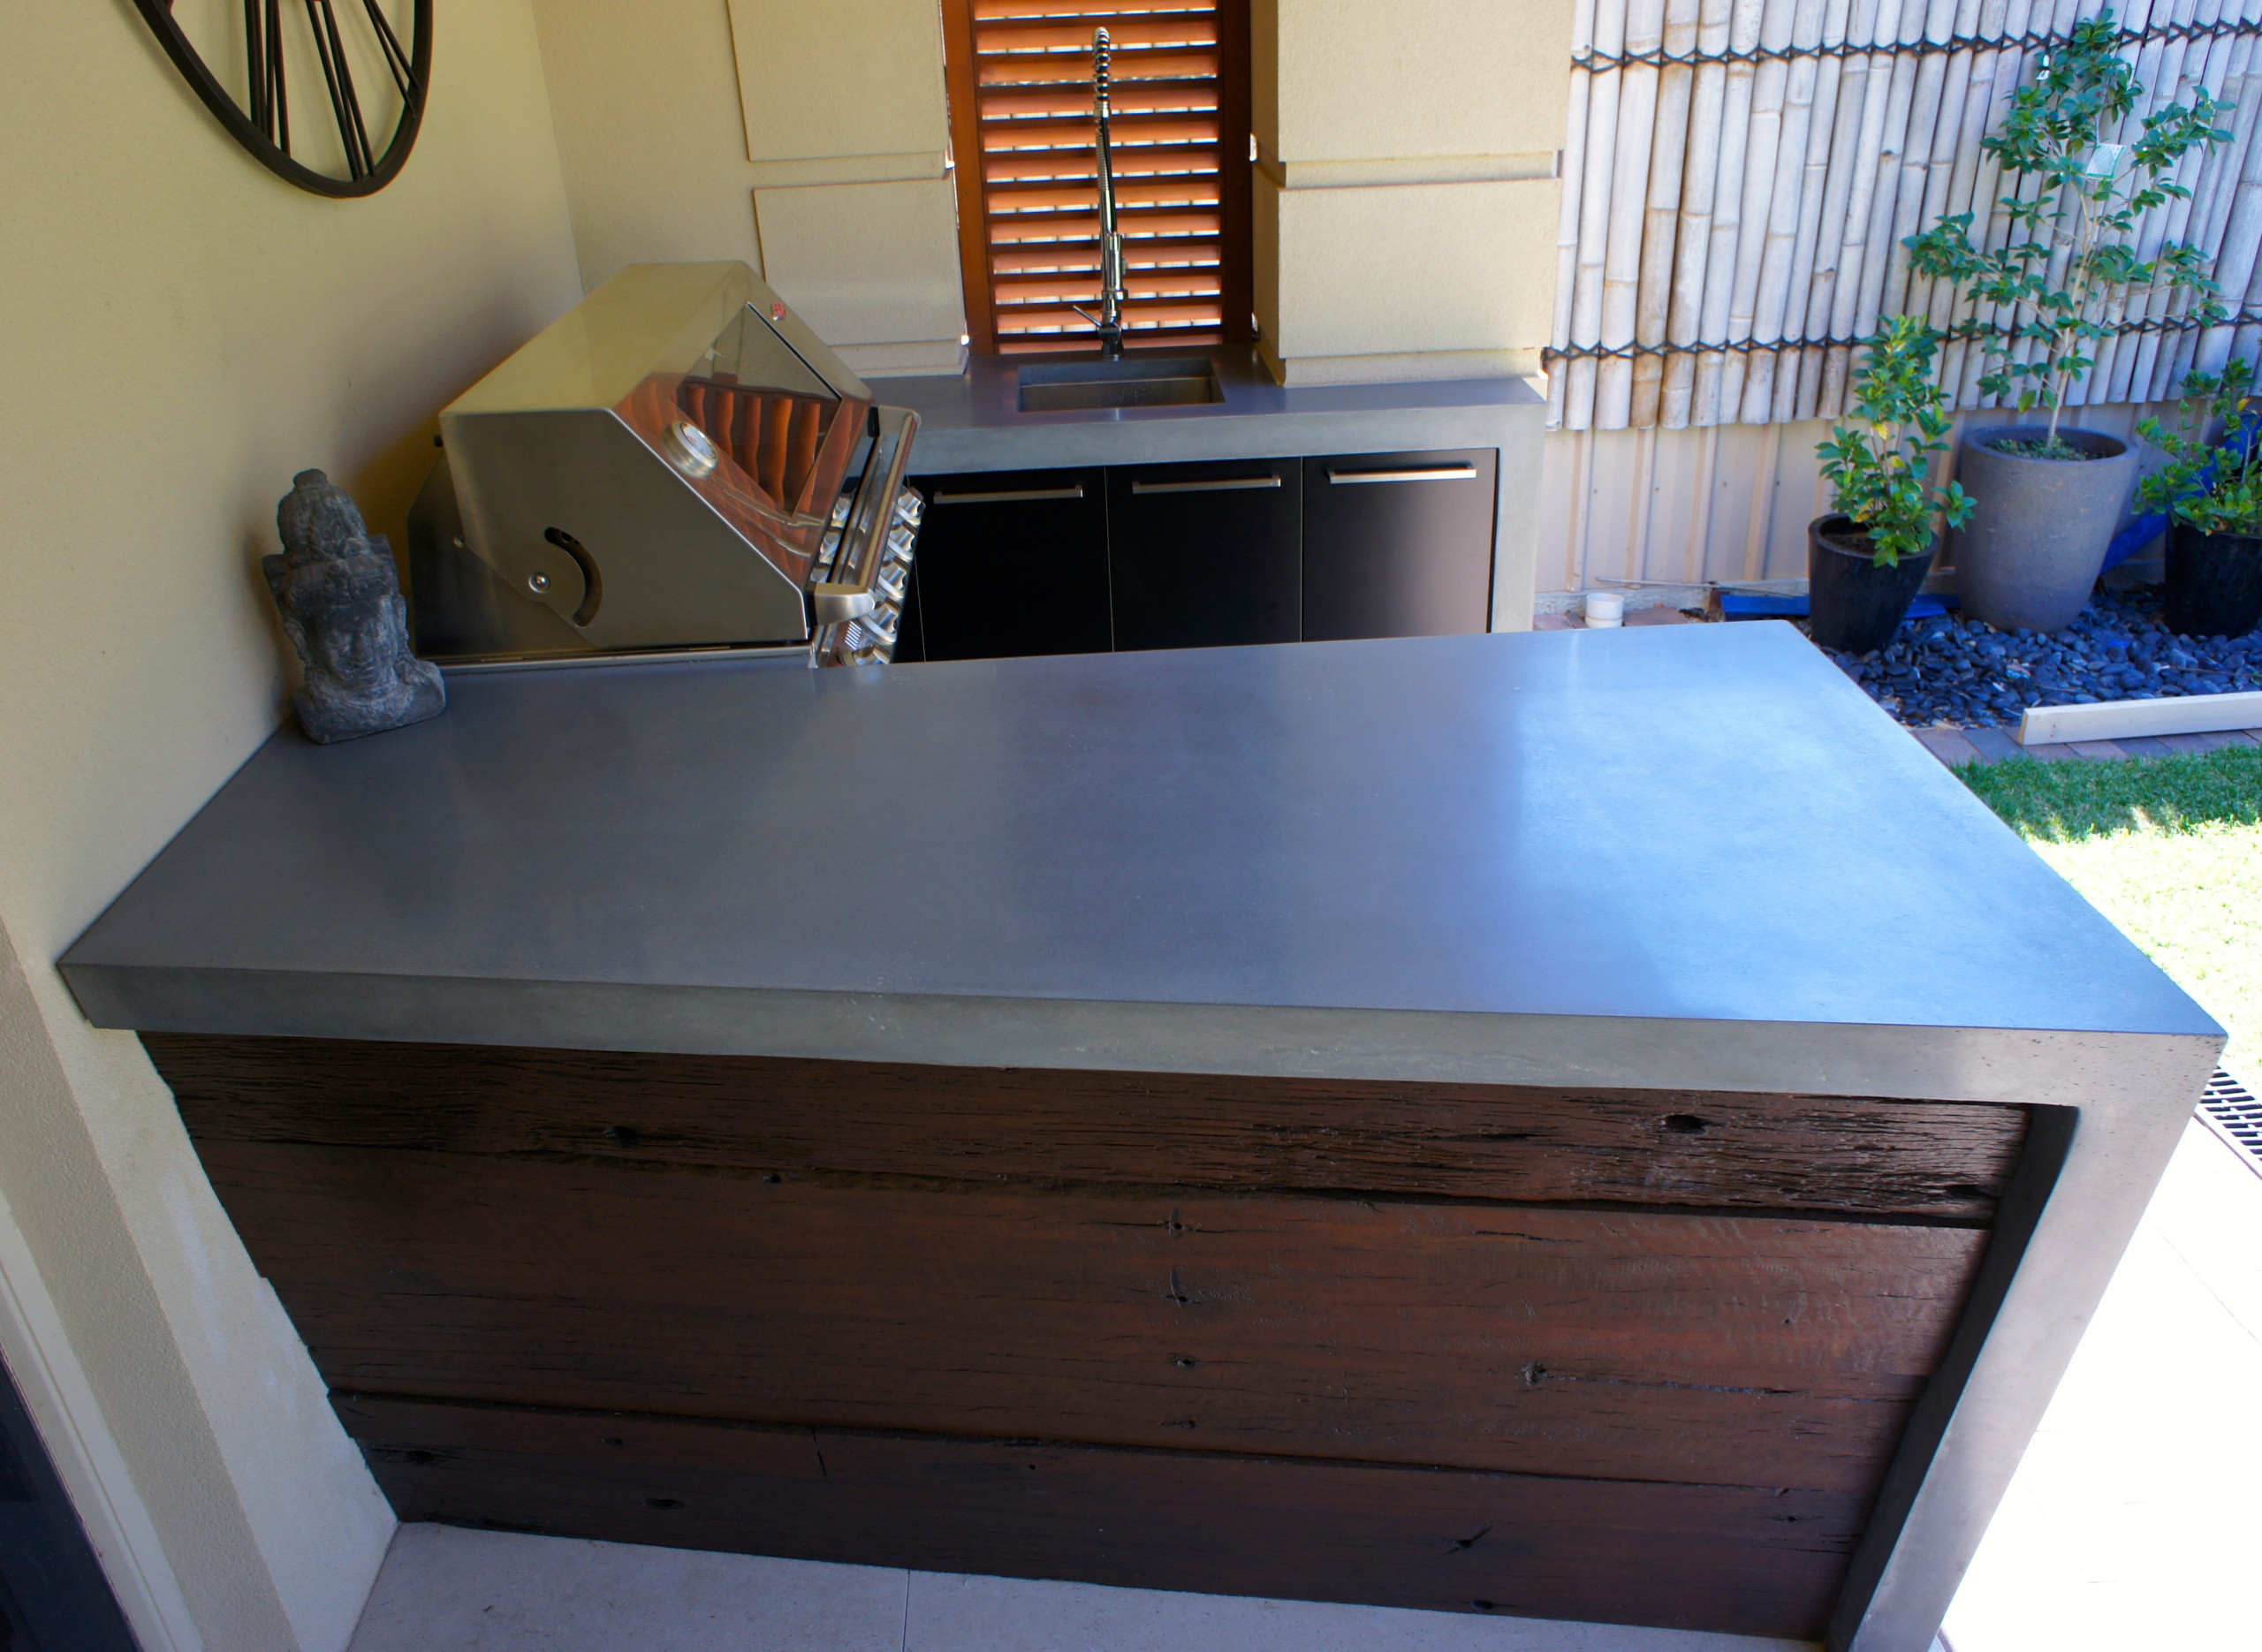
(678, 463)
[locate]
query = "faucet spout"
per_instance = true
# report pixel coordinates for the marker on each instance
(1110, 240)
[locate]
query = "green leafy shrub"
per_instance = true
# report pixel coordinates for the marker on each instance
(2216, 489)
(1880, 465)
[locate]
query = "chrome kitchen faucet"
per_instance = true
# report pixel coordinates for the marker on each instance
(1109, 320)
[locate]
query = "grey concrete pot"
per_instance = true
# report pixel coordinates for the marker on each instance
(2033, 547)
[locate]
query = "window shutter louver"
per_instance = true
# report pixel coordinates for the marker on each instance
(1020, 82)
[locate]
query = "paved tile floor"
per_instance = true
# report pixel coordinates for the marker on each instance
(1956, 746)
(2133, 1523)
(443, 1590)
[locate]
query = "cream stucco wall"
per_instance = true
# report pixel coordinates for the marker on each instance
(757, 130)
(184, 331)
(645, 103)
(1406, 184)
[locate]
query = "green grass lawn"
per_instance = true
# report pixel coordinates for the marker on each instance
(2170, 849)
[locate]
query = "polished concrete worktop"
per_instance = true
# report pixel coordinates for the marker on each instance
(1653, 870)
(1420, 843)
(971, 422)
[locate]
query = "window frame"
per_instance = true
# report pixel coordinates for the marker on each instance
(1235, 183)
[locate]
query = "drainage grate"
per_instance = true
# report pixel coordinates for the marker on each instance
(2229, 1110)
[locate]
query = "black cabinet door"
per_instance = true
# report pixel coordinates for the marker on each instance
(1012, 562)
(1398, 544)
(1206, 555)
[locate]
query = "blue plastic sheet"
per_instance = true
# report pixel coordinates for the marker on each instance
(1743, 605)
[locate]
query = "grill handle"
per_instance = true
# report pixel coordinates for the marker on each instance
(864, 540)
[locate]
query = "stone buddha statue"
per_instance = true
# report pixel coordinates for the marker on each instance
(340, 599)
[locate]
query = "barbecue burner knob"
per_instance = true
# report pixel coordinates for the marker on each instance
(689, 450)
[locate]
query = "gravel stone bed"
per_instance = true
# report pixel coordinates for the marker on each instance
(1952, 672)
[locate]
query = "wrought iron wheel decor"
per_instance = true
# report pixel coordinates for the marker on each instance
(270, 38)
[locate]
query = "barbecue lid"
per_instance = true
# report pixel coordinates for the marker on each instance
(685, 318)
(658, 466)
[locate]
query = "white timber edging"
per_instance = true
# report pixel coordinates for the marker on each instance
(2133, 719)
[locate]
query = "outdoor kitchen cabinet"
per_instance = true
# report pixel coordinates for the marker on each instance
(1387, 1122)
(1398, 544)
(1204, 556)
(1012, 563)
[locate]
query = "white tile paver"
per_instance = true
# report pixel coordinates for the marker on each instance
(960, 1614)
(2134, 1522)
(442, 1589)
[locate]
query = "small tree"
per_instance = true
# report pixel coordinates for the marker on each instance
(1880, 467)
(2069, 244)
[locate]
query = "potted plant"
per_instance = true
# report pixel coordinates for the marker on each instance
(2213, 498)
(2050, 496)
(1867, 558)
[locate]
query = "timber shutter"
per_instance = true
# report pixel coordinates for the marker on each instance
(1022, 128)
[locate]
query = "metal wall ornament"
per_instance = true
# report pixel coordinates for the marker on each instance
(272, 34)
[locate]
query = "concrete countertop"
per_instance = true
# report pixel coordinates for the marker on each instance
(1467, 856)
(971, 422)
(1670, 859)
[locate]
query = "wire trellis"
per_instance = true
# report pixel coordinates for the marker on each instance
(1595, 63)
(1740, 176)
(1628, 352)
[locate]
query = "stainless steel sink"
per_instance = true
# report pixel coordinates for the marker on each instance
(1082, 386)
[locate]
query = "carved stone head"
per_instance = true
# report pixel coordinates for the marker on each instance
(339, 597)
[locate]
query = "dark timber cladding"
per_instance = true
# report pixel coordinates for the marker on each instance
(1632, 1356)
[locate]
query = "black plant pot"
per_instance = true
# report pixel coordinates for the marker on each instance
(2214, 582)
(1854, 605)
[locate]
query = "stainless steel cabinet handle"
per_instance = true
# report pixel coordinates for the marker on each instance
(1074, 492)
(1429, 473)
(1220, 484)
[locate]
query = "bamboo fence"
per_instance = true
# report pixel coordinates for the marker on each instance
(1739, 177)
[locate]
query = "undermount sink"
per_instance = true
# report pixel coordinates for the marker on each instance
(1082, 386)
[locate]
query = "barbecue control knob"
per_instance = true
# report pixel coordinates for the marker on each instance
(891, 581)
(690, 449)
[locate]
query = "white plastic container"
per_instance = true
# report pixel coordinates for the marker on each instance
(1605, 609)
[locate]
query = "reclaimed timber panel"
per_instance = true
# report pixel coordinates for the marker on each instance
(1735, 1559)
(1706, 1348)
(1937, 1159)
